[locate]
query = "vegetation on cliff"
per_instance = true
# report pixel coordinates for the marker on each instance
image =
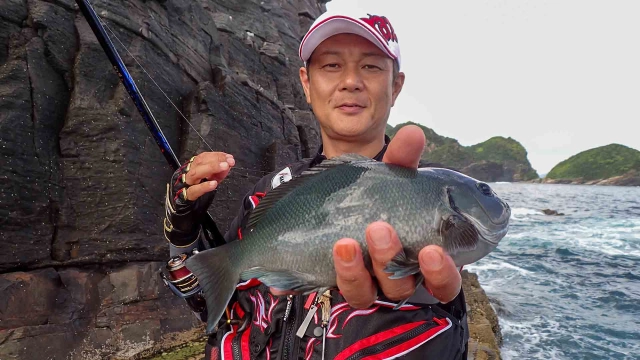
(432, 136)
(507, 153)
(599, 163)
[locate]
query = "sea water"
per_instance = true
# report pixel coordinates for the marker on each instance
(567, 287)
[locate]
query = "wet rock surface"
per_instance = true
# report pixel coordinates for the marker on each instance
(485, 337)
(552, 212)
(88, 313)
(82, 182)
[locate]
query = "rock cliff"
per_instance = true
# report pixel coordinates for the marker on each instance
(496, 159)
(81, 180)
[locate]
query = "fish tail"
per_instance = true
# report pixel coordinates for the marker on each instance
(218, 275)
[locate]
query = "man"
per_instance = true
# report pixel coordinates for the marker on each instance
(351, 79)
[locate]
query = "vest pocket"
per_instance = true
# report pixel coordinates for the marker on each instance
(396, 341)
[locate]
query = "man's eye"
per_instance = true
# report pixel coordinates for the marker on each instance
(332, 66)
(372, 67)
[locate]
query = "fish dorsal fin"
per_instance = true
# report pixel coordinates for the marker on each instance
(351, 157)
(333, 162)
(273, 197)
(284, 189)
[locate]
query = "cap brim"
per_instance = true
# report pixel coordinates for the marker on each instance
(339, 24)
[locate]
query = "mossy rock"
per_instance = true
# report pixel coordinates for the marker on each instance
(189, 351)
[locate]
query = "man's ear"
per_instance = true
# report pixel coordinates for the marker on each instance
(398, 82)
(304, 80)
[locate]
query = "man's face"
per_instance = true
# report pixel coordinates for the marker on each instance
(350, 86)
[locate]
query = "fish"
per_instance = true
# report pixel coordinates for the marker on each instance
(288, 240)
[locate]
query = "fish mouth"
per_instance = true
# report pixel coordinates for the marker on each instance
(492, 234)
(490, 231)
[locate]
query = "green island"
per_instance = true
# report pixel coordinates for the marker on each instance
(612, 164)
(496, 159)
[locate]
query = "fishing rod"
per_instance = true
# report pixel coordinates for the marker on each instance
(212, 234)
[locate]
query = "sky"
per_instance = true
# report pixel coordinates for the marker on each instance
(559, 76)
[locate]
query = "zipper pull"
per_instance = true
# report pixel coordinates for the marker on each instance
(307, 320)
(288, 309)
(326, 314)
(325, 301)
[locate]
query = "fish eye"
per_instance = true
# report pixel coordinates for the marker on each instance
(485, 189)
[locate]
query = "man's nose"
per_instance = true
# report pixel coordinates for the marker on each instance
(352, 79)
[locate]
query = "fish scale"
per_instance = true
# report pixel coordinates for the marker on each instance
(289, 238)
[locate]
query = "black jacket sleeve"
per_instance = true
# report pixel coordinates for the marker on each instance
(246, 207)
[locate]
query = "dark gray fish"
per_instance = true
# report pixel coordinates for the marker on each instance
(288, 241)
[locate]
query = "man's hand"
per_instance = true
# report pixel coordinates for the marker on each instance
(442, 277)
(206, 171)
(189, 194)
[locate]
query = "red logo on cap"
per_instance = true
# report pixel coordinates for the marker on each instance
(383, 26)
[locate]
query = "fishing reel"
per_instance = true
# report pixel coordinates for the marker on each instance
(184, 284)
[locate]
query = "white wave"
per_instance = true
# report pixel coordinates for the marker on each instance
(524, 214)
(534, 339)
(520, 235)
(608, 246)
(607, 240)
(525, 211)
(482, 266)
(530, 335)
(502, 182)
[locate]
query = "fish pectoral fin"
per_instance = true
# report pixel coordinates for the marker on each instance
(419, 280)
(401, 266)
(458, 234)
(283, 279)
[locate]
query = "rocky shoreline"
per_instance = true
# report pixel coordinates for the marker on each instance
(631, 178)
(485, 337)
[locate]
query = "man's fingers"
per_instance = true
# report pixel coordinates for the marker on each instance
(212, 156)
(354, 281)
(195, 191)
(441, 275)
(210, 166)
(406, 147)
(384, 244)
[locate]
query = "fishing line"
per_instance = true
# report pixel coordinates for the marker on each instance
(156, 84)
(106, 26)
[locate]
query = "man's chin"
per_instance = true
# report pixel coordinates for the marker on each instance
(348, 133)
(350, 127)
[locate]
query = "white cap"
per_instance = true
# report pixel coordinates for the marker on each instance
(374, 28)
